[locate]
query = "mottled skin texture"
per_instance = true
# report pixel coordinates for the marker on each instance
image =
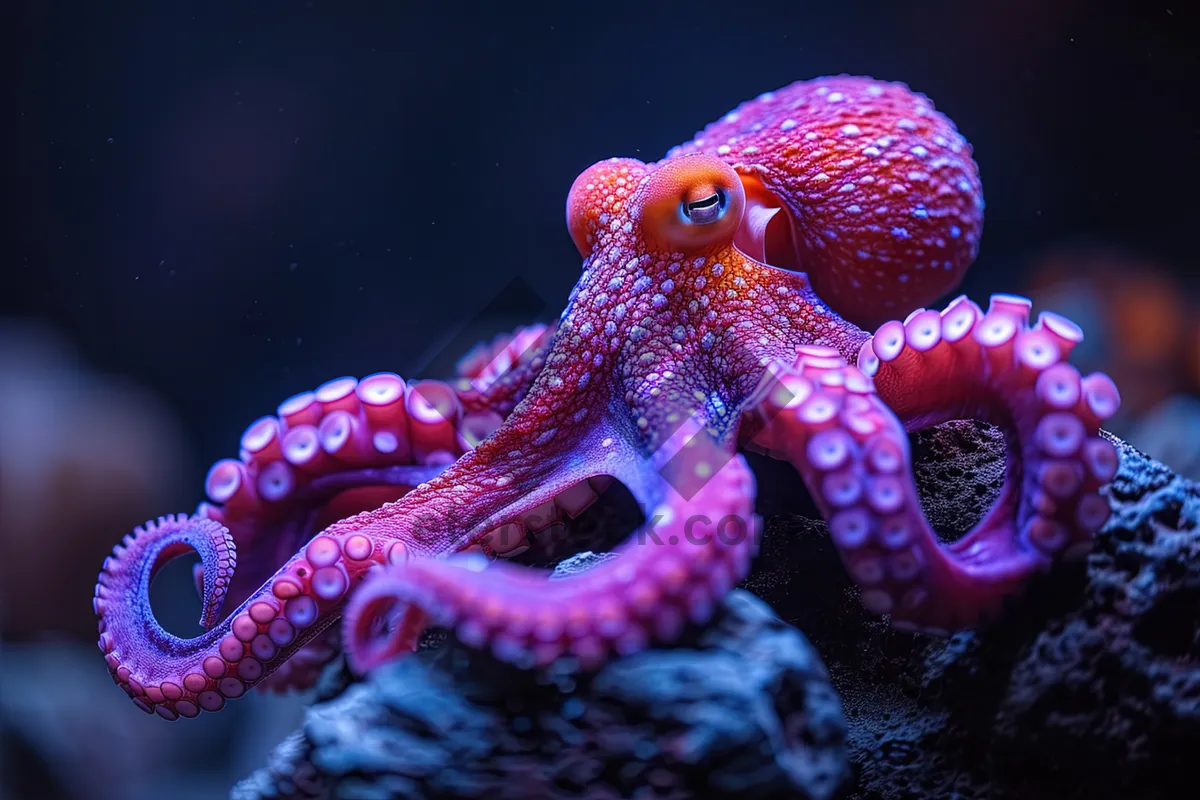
(697, 327)
(884, 200)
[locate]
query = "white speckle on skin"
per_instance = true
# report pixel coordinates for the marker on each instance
(749, 151)
(906, 124)
(835, 97)
(900, 233)
(847, 187)
(718, 269)
(854, 209)
(919, 151)
(917, 175)
(658, 301)
(851, 130)
(723, 150)
(955, 231)
(820, 176)
(732, 116)
(871, 151)
(811, 136)
(787, 124)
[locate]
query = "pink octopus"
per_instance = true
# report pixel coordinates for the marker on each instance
(704, 322)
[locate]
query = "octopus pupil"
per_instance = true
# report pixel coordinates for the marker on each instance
(706, 210)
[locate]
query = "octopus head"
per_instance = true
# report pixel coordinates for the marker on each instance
(675, 276)
(693, 205)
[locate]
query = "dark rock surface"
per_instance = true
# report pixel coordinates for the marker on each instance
(1090, 687)
(742, 709)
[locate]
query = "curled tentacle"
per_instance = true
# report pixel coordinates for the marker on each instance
(179, 677)
(174, 677)
(827, 419)
(152, 545)
(350, 445)
(693, 552)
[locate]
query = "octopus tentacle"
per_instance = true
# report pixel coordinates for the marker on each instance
(348, 446)
(499, 372)
(838, 428)
(304, 667)
(305, 596)
(696, 550)
(174, 677)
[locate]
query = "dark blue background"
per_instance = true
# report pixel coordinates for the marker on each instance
(235, 201)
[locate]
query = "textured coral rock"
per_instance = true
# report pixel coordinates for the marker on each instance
(743, 709)
(1089, 688)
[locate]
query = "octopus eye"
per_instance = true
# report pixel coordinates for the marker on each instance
(689, 204)
(705, 210)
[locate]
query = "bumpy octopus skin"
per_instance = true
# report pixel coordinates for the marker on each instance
(699, 326)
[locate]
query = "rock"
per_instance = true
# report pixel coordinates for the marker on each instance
(1090, 687)
(744, 708)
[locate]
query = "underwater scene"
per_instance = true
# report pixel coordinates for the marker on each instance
(623, 400)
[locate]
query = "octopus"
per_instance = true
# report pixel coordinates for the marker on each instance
(717, 312)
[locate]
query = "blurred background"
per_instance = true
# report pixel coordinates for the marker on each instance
(213, 206)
